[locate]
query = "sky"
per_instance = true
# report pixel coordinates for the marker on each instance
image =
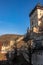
(14, 15)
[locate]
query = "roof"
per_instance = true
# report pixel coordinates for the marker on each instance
(38, 6)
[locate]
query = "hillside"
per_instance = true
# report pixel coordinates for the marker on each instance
(9, 37)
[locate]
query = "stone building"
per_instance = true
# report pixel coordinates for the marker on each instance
(36, 17)
(11, 42)
(36, 25)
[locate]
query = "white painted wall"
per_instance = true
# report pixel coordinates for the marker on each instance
(38, 13)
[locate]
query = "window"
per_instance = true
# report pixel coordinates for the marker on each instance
(32, 22)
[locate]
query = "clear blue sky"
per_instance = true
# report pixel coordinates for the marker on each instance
(14, 15)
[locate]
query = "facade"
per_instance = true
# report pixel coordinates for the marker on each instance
(35, 17)
(37, 56)
(36, 25)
